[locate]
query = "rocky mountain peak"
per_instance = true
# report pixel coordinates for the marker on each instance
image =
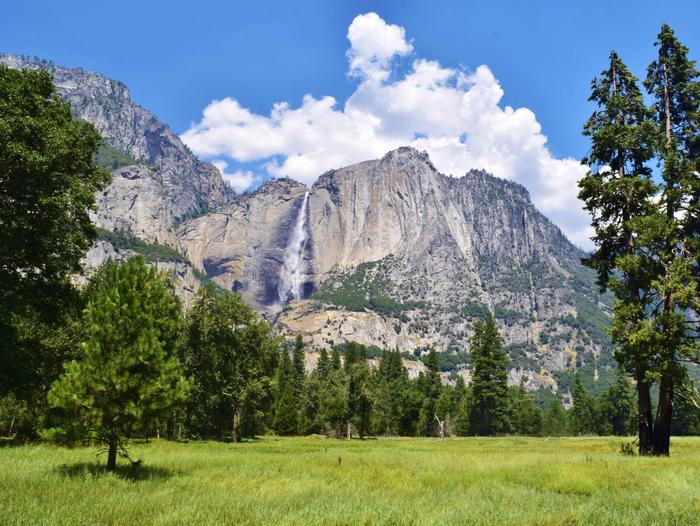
(189, 186)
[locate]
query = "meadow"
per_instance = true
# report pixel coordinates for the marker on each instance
(542, 481)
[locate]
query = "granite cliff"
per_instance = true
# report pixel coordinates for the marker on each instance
(398, 255)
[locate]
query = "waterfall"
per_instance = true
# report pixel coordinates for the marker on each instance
(289, 287)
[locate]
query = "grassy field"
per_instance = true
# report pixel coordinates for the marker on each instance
(385, 481)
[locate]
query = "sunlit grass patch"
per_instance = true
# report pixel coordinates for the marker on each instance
(385, 481)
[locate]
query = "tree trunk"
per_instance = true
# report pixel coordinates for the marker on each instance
(646, 445)
(112, 452)
(170, 428)
(236, 424)
(662, 426)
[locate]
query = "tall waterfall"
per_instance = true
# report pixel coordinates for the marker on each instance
(289, 287)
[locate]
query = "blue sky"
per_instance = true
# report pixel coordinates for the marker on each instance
(178, 57)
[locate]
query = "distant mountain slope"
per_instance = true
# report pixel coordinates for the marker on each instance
(178, 184)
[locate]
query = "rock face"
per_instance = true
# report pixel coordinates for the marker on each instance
(242, 245)
(180, 271)
(399, 255)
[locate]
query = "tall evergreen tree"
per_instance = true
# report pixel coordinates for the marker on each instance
(671, 235)
(298, 364)
(489, 387)
(583, 412)
(124, 375)
(525, 416)
(335, 359)
(617, 191)
(555, 421)
(620, 406)
(286, 404)
(333, 409)
(391, 381)
(323, 366)
(432, 387)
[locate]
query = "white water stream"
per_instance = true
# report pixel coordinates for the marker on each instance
(289, 287)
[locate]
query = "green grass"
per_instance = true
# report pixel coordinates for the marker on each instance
(386, 481)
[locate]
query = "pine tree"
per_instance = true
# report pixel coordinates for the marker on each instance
(489, 387)
(620, 406)
(298, 365)
(671, 235)
(335, 359)
(432, 387)
(525, 416)
(463, 414)
(617, 191)
(309, 419)
(390, 385)
(323, 366)
(124, 376)
(582, 414)
(286, 405)
(333, 410)
(555, 421)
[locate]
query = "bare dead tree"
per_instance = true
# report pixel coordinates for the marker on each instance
(441, 427)
(689, 392)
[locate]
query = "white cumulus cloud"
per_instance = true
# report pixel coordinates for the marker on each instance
(240, 180)
(454, 115)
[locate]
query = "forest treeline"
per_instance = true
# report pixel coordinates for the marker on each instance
(143, 367)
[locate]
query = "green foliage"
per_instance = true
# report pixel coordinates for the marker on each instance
(583, 411)
(617, 408)
(230, 355)
(475, 310)
(16, 420)
(525, 417)
(508, 316)
(285, 407)
(111, 158)
(125, 375)
(151, 251)
(334, 410)
(591, 319)
(519, 358)
(555, 421)
(489, 399)
(364, 288)
(48, 183)
(646, 234)
(431, 387)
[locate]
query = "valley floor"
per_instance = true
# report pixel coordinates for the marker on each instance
(385, 481)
